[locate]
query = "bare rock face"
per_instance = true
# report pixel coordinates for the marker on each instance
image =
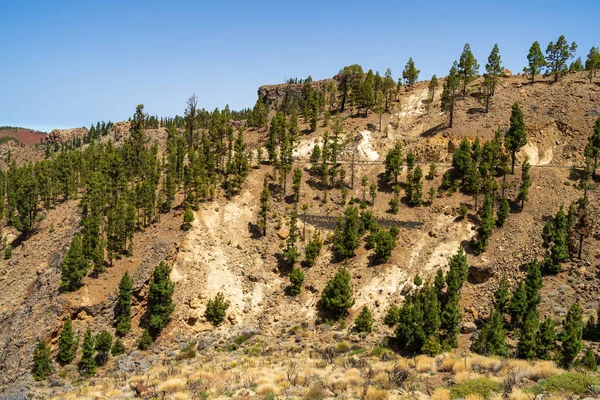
(62, 135)
(273, 94)
(480, 273)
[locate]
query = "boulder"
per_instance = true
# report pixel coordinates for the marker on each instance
(480, 273)
(468, 327)
(506, 73)
(283, 233)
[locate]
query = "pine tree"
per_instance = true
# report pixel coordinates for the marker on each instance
(546, 339)
(145, 340)
(458, 271)
(450, 91)
(313, 248)
(533, 285)
(527, 345)
(515, 138)
(468, 68)
(393, 164)
(103, 344)
(518, 304)
(87, 364)
(159, 297)
(416, 198)
(337, 296)
(493, 69)
(216, 309)
(592, 63)
(557, 56)
(536, 61)
(296, 280)
(74, 266)
(25, 193)
(391, 317)
(576, 66)
(501, 296)
(296, 184)
(291, 252)
(66, 343)
(492, 337)
(385, 242)
(410, 73)
(570, 336)
(118, 348)
(588, 361)
(347, 238)
(123, 315)
(451, 317)
(592, 149)
(433, 85)
(523, 195)
(188, 218)
(439, 283)
(364, 321)
(486, 224)
(503, 211)
(555, 240)
(41, 361)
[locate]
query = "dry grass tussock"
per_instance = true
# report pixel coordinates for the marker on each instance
(310, 378)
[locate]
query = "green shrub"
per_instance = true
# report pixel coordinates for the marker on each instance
(337, 296)
(41, 361)
(364, 321)
(296, 279)
(392, 316)
(118, 348)
(8, 252)
(189, 351)
(103, 345)
(481, 386)
(570, 382)
(216, 309)
(145, 341)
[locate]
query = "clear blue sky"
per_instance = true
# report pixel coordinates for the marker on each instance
(70, 63)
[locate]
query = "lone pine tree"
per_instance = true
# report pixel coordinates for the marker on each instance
(160, 295)
(123, 312)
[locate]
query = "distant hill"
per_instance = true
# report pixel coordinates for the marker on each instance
(23, 135)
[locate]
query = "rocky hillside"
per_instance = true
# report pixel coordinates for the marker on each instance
(222, 253)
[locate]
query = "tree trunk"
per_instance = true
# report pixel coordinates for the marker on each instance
(513, 161)
(580, 245)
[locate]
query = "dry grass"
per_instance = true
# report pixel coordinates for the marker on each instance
(268, 374)
(462, 376)
(462, 364)
(376, 394)
(267, 388)
(182, 396)
(474, 397)
(447, 364)
(424, 363)
(490, 364)
(171, 385)
(440, 394)
(518, 394)
(544, 370)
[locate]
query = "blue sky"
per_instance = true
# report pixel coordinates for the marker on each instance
(71, 63)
